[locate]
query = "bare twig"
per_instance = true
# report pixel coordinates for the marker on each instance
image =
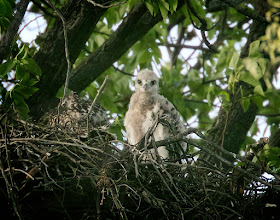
(106, 6)
(123, 72)
(40, 16)
(69, 64)
(184, 46)
(94, 101)
(97, 95)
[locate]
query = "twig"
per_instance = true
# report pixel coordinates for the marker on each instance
(104, 6)
(184, 46)
(165, 183)
(69, 64)
(121, 71)
(22, 171)
(9, 185)
(97, 95)
(40, 16)
(46, 141)
(95, 98)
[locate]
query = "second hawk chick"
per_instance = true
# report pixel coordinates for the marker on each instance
(145, 106)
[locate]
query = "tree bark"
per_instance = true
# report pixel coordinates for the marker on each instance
(80, 18)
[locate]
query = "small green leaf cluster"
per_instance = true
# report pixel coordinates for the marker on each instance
(164, 6)
(269, 157)
(25, 73)
(249, 70)
(272, 155)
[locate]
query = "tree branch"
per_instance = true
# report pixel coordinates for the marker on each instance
(106, 6)
(245, 12)
(9, 36)
(138, 22)
(184, 46)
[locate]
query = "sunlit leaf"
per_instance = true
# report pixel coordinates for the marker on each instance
(258, 90)
(254, 48)
(234, 60)
(247, 77)
(163, 9)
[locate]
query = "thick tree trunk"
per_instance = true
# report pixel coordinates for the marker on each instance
(80, 18)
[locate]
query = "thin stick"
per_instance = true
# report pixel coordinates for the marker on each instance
(108, 6)
(98, 93)
(95, 98)
(69, 64)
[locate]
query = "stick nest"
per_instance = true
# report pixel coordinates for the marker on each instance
(51, 172)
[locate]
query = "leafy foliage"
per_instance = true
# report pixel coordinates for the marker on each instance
(26, 74)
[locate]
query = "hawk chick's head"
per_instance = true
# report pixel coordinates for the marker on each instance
(146, 81)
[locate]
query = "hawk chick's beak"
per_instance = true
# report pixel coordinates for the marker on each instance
(145, 87)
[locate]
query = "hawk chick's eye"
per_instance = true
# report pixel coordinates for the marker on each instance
(153, 82)
(139, 81)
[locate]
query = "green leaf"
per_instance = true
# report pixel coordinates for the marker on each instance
(173, 5)
(9, 8)
(116, 128)
(221, 61)
(3, 8)
(22, 53)
(225, 96)
(165, 4)
(253, 67)
(254, 48)
(245, 102)
(5, 68)
(29, 82)
(20, 72)
(262, 64)
(20, 106)
(258, 90)
(211, 95)
(5, 22)
(25, 91)
(163, 9)
(245, 76)
(258, 101)
(32, 66)
(234, 60)
(150, 7)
